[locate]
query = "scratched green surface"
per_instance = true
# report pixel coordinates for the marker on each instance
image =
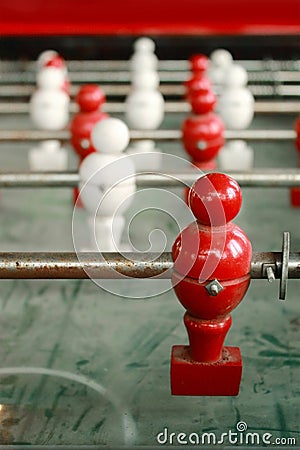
(124, 345)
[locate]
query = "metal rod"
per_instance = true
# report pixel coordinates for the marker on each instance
(183, 64)
(260, 107)
(68, 265)
(158, 135)
(112, 90)
(258, 178)
(125, 76)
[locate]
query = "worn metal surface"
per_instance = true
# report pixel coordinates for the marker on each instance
(257, 178)
(276, 90)
(260, 107)
(69, 265)
(84, 265)
(158, 135)
(266, 65)
(168, 76)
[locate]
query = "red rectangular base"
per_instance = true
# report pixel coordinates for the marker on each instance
(295, 197)
(189, 377)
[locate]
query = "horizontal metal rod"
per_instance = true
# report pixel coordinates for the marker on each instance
(68, 265)
(260, 107)
(125, 76)
(173, 65)
(112, 90)
(257, 178)
(157, 135)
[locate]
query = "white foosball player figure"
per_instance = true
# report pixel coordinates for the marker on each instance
(50, 58)
(236, 155)
(49, 104)
(44, 58)
(107, 184)
(49, 156)
(148, 157)
(144, 105)
(143, 57)
(236, 102)
(220, 61)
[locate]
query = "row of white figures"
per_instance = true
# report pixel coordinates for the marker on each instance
(220, 61)
(107, 184)
(235, 106)
(49, 110)
(144, 57)
(49, 104)
(144, 105)
(236, 155)
(51, 58)
(235, 100)
(48, 156)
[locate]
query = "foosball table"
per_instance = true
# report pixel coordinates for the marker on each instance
(97, 351)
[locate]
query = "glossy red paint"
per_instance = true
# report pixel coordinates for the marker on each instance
(202, 102)
(197, 301)
(191, 378)
(89, 98)
(199, 64)
(215, 199)
(206, 337)
(200, 95)
(60, 17)
(203, 136)
(211, 248)
(199, 92)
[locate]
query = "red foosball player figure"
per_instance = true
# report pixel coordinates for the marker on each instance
(295, 192)
(212, 261)
(203, 130)
(199, 92)
(89, 98)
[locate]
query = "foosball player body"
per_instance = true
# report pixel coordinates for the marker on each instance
(89, 98)
(212, 260)
(199, 92)
(203, 138)
(202, 130)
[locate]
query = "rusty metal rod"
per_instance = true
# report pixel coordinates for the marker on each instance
(69, 265)
(158, 135)
(110, 90)
(124, 75)
(267, 65)
(257, 178)
(260, 107)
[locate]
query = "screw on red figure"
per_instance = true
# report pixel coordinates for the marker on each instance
(212, 260)
(295, 192)
(89, 99)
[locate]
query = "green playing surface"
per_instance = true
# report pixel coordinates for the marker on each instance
(114, 352)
